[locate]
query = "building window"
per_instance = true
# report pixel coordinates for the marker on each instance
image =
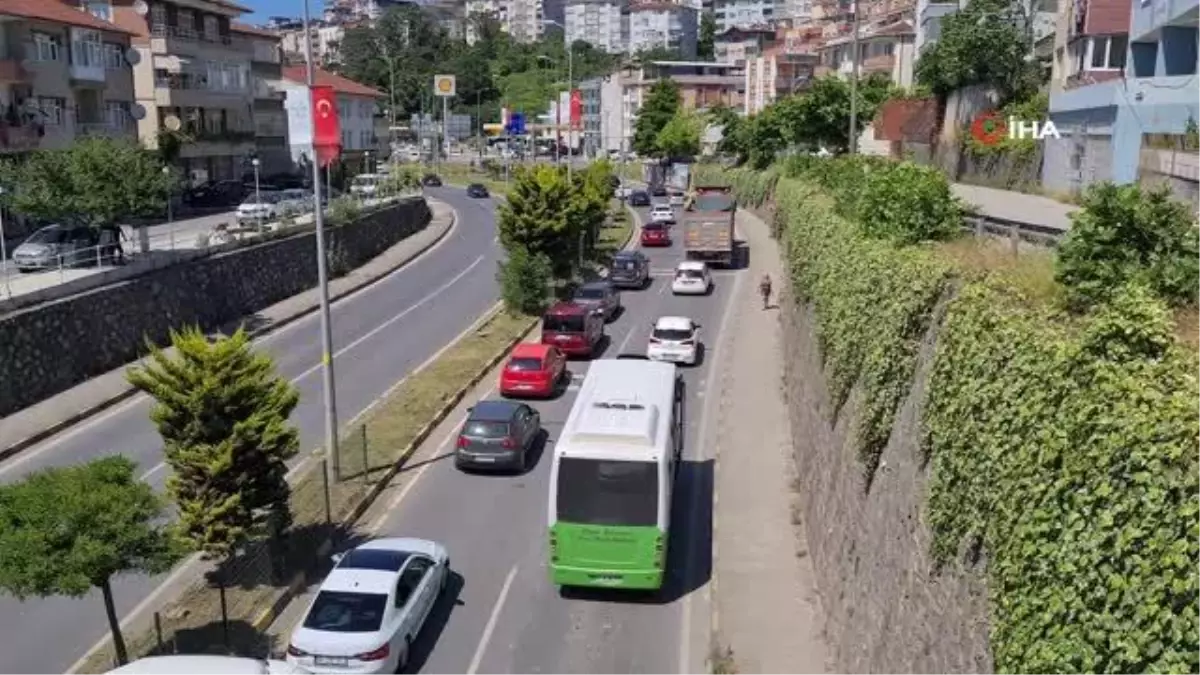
(114, 56)
(1108, 53)
(158, 18)
(100, 9)
(117, 114)
(46, 47)
(53, 110)
(212, 31)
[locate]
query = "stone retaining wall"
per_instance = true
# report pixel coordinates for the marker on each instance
(49, 348)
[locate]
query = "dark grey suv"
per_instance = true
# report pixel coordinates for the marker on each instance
(497, 435)
(630, 269)
(600, 297)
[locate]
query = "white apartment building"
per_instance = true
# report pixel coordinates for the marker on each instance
(798, 12)
(600, 23)
(744, 13)
(666, 25)
(356, 104)
(326, 41)
(522, 19)
(612, 115)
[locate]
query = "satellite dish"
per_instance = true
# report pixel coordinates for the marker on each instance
(172, 123)
(141, 7)
(138, 111)
(133, 56)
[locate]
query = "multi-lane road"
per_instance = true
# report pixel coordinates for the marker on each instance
(502, 614)
(380, 333)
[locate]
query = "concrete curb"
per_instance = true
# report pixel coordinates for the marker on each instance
(265, 618)
(89, 411)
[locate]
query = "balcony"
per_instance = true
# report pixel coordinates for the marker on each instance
(87, 62)
(189, 42)
(882, 63)
(186, 90)
(104, 129)
(264, 91)
(216, 144)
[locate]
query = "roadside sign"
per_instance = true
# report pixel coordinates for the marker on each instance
(444, 85)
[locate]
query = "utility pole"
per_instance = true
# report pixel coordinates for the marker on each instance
(854, 82)
(331, 423)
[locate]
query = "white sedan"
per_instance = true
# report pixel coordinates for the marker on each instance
(371, 607)
(691, 278)
(662, 213)
(675, 339)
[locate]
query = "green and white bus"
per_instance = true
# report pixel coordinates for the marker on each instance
(613, 475)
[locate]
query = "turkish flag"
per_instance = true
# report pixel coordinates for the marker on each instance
(327, 133)
(576, 109)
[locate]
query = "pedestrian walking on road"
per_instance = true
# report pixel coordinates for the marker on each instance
(764, 289)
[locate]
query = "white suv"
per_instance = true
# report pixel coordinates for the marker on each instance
(662, 213)
(675, 339)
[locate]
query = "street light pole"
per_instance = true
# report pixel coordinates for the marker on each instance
(257, 193)
(331, 423)
(557, 106)
(854, 83)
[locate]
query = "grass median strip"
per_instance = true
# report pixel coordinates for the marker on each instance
(253, 581)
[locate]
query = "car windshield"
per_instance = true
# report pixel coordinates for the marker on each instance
(562, 324)
(49, 235)
(672, 334)
(262, 198)
(590, 294)
(628, 264)
(652, 227)
(663, 208)
(689, 274)
(341, 612)
(601, 492)
(525, 364)
(486, 429)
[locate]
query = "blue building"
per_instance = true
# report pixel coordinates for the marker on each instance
(1153, 89)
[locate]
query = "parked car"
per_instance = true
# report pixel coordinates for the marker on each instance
(601, 297)
(691, 278)
(655, 234)
(658, 191)
(533, 370)
(639, 198)
(675, 339)
(370, 609)
(214, 194)
(367, 185)
(259, 209)
(662, 213)
(497, 435)
(630, 269)
(295, 202)
(431, 180)
(574, 329)
(55, 246)
(205, 664)
(477, 190)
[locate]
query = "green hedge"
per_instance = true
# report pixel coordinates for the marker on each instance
(1064, 450)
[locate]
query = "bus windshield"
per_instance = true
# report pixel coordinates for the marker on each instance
(607, 492)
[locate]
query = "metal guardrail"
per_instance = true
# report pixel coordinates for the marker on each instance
(1013, 230)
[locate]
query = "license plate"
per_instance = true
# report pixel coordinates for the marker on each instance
(563, 338)
(485, 459)
(524, 387)
(606, 579)
(332, 661)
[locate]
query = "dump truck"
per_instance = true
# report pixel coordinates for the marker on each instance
(708, 224)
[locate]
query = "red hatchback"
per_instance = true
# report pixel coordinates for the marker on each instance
(533, 370)
(655, 234)
(574, 329)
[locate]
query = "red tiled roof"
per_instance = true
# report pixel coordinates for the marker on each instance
(324, 78)
(57, 12)
(247, 29)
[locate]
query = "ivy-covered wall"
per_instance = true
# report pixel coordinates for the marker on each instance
(1024, 494)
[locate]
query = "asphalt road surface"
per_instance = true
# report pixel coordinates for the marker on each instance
(502, 614)
(380, 334)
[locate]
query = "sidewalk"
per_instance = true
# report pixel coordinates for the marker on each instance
(1018, 206)
(41, 420)
(766, 609)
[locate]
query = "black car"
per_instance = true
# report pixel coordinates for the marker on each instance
(431, 180)
(630, 269)
(215, 194)
(639, 198)
(477, 190)
(497, 435)
(658, 191)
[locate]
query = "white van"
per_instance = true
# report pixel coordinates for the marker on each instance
(367, 185)
(201, 664)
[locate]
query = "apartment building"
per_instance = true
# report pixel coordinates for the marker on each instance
(702, 85)
(593, 132)
(784, 68)
(604, 24)
(270, 118)
(357, 107)
(326, 41)
(522, 19)
(889, 49)
(730, 14)
(740, 44)
(64, 74)
(1123, 86)
(664, 25)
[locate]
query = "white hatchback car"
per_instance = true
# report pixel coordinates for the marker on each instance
(662, 213)
(692, 278)
(202, 664)
(371, 607)
(675, 339)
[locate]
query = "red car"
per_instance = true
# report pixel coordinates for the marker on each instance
(655, 234)
(533, 370)
(574, 329)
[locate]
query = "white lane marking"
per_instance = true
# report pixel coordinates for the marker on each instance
(138, 399)
(491, 624)
(685, 624)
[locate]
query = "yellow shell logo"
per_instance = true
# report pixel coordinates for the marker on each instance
(445, 85)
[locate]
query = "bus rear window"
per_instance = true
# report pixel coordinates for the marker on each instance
(599, 492)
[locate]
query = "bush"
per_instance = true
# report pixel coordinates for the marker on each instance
(342, 210)
(752, 188)
(908, 203)
(1122, 235)
(525, 281)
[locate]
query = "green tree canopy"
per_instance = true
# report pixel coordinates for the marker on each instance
(222, 412)
(537, 216)
(680, 137)
(661, 104)
(64, 531)
(985, 43)
(97, 181)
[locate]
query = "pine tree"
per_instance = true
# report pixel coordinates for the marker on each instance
(662, 102)
(222, 412)
(537, 216)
